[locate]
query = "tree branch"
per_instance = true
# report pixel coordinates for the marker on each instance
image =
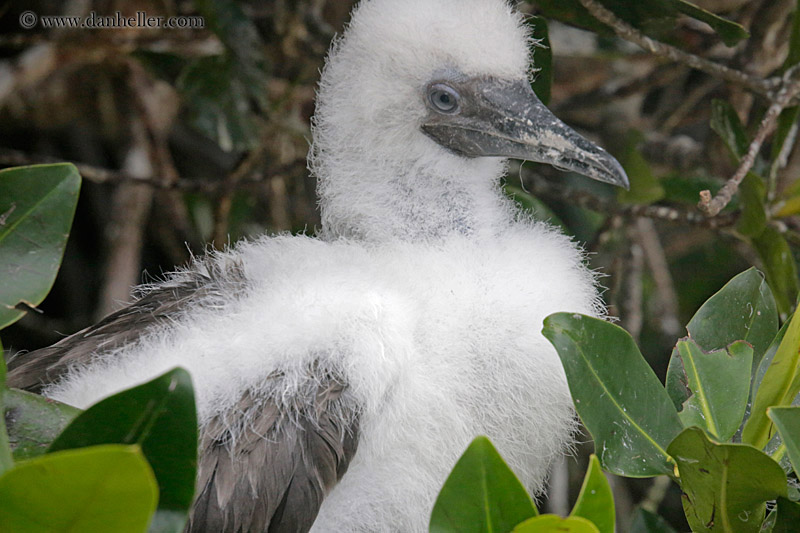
(629, 33)
(789, 90)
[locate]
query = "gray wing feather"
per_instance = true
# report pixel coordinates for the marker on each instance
(263, 467)
(270, 469)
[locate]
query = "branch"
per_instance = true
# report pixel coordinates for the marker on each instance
(585, 200)
(789, 90)
(629, 33)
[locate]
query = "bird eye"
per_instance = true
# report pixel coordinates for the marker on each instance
(443, 98)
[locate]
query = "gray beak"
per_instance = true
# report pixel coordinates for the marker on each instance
(506, 119)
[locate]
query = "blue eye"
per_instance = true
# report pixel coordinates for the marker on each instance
(443, 98)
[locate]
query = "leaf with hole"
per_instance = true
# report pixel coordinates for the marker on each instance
(717, 385)
(725, 486)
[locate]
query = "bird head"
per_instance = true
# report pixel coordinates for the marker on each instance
(454, 72)
(424, 100)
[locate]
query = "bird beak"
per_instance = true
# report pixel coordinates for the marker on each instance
(506, 119)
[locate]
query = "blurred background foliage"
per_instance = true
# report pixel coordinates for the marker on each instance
(191, 136)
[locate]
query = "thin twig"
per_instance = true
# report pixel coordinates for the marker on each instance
(790, 89)
(105, 176)
(222, 210)
(539, 187)
(629, 33)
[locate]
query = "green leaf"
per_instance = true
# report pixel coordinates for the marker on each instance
(645, 187)
(724, 485)
(730, 32)
(780, 385)
(646, 522)
(788, 517)
(616, 394)
(752, 195)
(718, 383)
(37, 204)
(6, 461)
(726, 123)
(595, 501)
(787, 421)
(481, 494)
(34, 421)
(159, 416)
(550, 523)
(779, 266)
(543, 59)
(104, 488)
(743, 310)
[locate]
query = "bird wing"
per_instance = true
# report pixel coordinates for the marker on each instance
(267, 467)
(158, 305)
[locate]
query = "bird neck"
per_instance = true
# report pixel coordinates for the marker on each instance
(412, 200)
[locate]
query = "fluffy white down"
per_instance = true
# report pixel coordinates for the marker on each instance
(439, 343)
(424, 291)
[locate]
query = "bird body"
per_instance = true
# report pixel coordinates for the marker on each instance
(345, 374)
(437, 343)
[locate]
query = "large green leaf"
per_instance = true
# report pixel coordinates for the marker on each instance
(481, 494)
(787, 421)
(6, 461)
(159, 416)
(550, 523)
(718, 385)
(37, 204)
(34, 422)
(647, 522)
(788, 517)
(724, 485)
(103, 488)
(595, 501)
(542, 58)
(616, 394)
(779, 266)
(780, 385)
(743, 310)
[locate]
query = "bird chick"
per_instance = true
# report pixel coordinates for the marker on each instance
(339, 377)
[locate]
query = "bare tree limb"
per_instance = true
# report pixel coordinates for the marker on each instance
(790, 89)
(629, 33)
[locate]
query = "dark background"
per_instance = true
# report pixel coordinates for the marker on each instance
(198, 136)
